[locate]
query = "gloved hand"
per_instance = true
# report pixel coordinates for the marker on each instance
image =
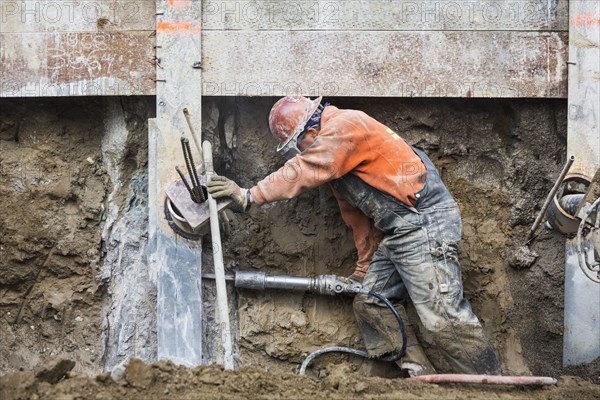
(354, 278)
(220, 186)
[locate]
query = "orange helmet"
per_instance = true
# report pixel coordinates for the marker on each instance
(287, 120)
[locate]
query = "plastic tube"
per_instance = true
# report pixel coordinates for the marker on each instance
(487, 379)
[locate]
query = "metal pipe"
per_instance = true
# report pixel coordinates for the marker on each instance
(551, 195)
(487, 379)
(287, 282)
(261, 281)
(322, 284)
(222, 305)
(570, 203)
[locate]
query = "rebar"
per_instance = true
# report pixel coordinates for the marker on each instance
(197, 139)
(196, 191)
(187, 185)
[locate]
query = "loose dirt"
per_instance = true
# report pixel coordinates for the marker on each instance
(164, 380)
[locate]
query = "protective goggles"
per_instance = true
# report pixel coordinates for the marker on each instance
(290, 149)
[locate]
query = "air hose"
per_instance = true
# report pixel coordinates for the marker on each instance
(338, 349)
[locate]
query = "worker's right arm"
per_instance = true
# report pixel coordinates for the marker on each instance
(366, 235)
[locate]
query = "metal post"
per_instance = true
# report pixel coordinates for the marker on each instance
(582, 296)
(174, 262)
(222, 306)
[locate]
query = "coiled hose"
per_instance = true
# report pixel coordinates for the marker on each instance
(362, 353)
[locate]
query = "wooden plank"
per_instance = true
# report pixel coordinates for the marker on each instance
(28, 16)
(394, 64)
(77, 64)
(176, 261)
(582, 296)
(388, 15)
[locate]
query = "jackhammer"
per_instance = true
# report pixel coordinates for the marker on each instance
(320, 284)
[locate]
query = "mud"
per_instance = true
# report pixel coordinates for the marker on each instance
(165, 380)
(498, 158)
(72, 237)
(53, 190)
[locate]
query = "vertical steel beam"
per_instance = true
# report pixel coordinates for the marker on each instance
(582, 296)
(175, 262)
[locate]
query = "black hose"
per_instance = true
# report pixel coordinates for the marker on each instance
(338, 349)
(402, 351)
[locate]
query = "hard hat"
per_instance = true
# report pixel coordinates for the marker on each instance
(287, 120)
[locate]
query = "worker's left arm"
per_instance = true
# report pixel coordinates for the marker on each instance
(334, 153)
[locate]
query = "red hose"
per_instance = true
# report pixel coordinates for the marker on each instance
(487, 379)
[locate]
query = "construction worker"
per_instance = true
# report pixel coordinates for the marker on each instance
(405, 223)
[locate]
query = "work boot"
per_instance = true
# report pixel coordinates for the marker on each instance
(410, 369)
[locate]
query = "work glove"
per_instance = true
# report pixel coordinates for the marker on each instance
(352, 280)
(220, 186)
(356, 278)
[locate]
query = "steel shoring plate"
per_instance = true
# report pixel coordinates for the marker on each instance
(196, 215)
(582, 312)
(582, 296)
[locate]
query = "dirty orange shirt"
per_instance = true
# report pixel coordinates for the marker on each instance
(350, 141)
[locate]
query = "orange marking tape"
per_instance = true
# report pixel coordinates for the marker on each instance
(179, 4)
(185, 27)
(590, 19)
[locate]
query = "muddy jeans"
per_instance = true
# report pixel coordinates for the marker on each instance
(418, 259)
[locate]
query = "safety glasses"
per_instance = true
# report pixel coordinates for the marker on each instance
(290, 149)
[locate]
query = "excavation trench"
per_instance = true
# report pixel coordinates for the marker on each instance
(74, 277)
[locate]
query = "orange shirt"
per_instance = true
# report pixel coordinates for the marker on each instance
(350, 141)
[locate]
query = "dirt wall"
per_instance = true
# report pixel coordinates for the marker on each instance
(498, 157)
(53, 194)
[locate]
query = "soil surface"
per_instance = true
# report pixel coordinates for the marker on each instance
(165, 380)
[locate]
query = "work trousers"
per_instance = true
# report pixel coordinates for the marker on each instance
(418, 259)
